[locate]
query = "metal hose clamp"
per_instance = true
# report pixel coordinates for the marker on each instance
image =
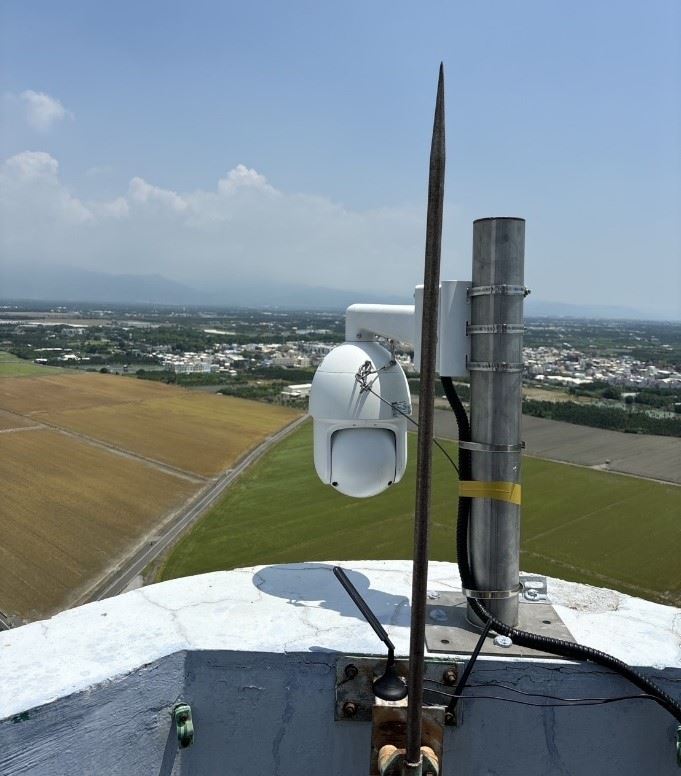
(492, 594)
(500, 288)
(481, 447)
(494, 366)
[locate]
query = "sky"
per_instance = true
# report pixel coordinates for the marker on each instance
(219, 141)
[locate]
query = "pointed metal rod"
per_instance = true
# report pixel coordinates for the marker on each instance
(431, 286)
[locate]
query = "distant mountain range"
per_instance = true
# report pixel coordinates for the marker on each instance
(70, 284)
(536, 308)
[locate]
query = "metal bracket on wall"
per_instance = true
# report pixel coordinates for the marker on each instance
(355, 676)
(389, 729)
(184, 726)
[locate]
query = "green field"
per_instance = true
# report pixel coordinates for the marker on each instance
(578, 524)
(11, 366)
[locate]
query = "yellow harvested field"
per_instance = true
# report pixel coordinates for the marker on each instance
(9, 421)
(199, 433)
(75, 390)
(194, 431)
(69, 511)
(87, 479)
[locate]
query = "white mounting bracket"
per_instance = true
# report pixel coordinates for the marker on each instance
(402, 323)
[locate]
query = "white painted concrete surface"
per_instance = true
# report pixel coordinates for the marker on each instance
(254, 652)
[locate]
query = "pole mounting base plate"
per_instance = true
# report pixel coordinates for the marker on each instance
(448, 630)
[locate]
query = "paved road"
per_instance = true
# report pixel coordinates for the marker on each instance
(132, 566)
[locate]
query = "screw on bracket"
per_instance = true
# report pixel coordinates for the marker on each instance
(349, 709)
(351, 671)
(450, 676)
(182, 714)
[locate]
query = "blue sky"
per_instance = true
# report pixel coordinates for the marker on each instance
(567, 114)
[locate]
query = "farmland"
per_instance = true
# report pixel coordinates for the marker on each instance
(11, 366)
(578, 524)
(199, 433)
(70, 516)
(9, 422)
(642, 455)
(94, 464)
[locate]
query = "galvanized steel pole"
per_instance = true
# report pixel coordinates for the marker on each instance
(425, 435)
(496, 319)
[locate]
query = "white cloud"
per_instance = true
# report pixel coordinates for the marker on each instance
(116, 208)
(244, 177)
(42, 111)
(32, 165)
(33, 201)
(141, 191)
(242, 230)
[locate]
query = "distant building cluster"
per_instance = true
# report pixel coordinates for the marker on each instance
(570, 367)
(229, 358)
(226, 361)
(571, 354)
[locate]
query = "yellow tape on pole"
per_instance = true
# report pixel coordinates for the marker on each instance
(501, 491)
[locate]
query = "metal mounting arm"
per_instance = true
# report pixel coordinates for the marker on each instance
(402, 323)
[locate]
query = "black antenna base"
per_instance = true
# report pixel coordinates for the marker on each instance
(390, 686)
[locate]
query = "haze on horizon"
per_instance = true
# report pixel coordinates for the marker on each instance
(222, 142)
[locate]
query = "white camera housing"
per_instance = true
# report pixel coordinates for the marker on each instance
(360, 440)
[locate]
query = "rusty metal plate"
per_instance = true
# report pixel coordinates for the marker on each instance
(448, 631)
(355, 698)
(389, 726)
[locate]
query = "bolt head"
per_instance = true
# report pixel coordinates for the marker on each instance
(450, 676)
(349, 709)
(351, 671)
(503, 641)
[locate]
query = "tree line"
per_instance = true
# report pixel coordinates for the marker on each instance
(611, 418)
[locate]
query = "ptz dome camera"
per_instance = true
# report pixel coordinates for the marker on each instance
(358, 402)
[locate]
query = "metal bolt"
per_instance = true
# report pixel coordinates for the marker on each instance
(349, 709)
(351, 671)
(450, 676)
(503, 641)
(439, 615)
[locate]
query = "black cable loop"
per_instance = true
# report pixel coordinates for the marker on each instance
(566, 649)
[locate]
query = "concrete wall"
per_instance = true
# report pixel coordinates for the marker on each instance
(118, 727)
(273, 715)
(254, 651)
